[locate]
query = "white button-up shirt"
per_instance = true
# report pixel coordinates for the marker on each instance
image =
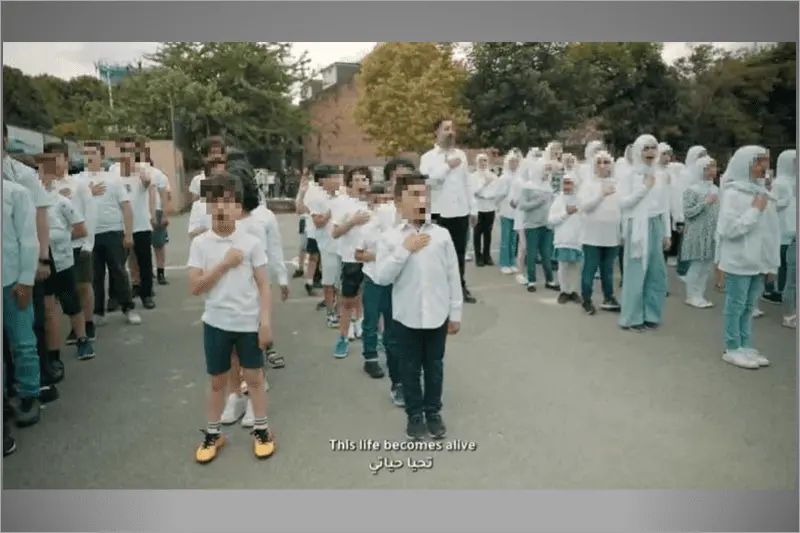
(451, 188)
(426, 284)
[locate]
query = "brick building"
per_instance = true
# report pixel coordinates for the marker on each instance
(335, 138)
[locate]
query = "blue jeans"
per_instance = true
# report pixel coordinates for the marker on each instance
(790, 289)
(508, 243)
(18, 324)
(598, 257)
(539, 242)
(741, 293)
(377, 303)
(644, 290)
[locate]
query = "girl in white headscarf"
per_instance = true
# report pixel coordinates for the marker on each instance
(785, 191)
(681, 179)
(552, 169)
(744, 230)
(701, 210)
(528, 169)
(598, 201)
(644, 199)
(503, 192)
(482, 180)
(566, 223)
(536, 196)
(586, 169)
(676, 217)
(786, 207)
(623, 164)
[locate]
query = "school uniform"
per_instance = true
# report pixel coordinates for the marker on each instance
(699, 233)
(377, 301)
(481, 182)
(232, 313)
(785, 191)
(746, 252)
(20, 260)
(139, 195)
(502, 192)
(646, 222)
(77, 189)
(426, 296)
(61, 217)
(324, 204)
(352, 275)
(600, 237)
(534, 204)
(567, 244)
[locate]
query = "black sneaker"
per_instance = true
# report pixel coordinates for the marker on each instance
(651, 325)
(415, 428)
(161, 278)
(298, 274)
(772, 298)
(9, 444)
(135, 291)
(91, 331)
(639, 328)
(588, 307)
(479, 262)
(531, 287)
(488, 261)
(148, 303)
(563, 298)
(56, 371)
(397, 396)
(71, 338)
(112, 306)
(575, 297)
(436, 428)
(552, 285)
(28, 412)
(610, 304)
(48, 393)
(373, 369)
(468, 297)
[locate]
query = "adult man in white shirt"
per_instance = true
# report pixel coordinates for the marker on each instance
(77, 190)
(453, 205)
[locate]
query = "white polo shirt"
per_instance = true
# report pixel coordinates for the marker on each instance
(61, 217)
(342, 211)
(82, 201)
(140, 201)
(233, 303)
(109, 204)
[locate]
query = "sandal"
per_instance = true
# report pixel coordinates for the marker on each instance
(275, 360)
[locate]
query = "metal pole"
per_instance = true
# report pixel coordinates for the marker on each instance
(178, 182)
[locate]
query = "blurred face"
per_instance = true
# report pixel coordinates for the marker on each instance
(360, 184)
(127, 152)
(215, 150)
(602, 167)
(47, 170)
(414, 203)
(446, 134)
(556, 151)
(92, 157)
(569, 161)
(665, 158)
(224, 210)
(380, 199)
(332, 183)
(513, 164)
(62, 166)
(568, 186)
(758, 170)
(483, 164)
(649, 153)
(711, 171)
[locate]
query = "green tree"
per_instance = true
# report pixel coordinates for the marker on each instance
(403, 88)
(23, 104)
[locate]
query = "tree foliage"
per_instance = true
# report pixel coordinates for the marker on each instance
(404, 88)
(23, 104)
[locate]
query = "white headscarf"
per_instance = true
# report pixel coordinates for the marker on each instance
(623, 164)
(737, 174)
(639, 241)
(785, 173)
(697, 177)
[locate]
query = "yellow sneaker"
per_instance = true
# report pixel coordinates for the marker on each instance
(263, 443)
(208, 449)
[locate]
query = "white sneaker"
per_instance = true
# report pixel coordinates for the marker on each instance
(706, 304)
(790, 322)
(756, 356)
(351, 331)
(740, 359)
(249, 418)
(99, 320)
(506, 270)
(697, 304)
(521, 279)
(234, 409)
(672, 261)
(757, 313)
(468, 256)
(133, 318)
(358, 328)
(513, 270)
(682, 278)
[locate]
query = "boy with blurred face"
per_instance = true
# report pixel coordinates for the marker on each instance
(349, 215)
(77, 190)
(211, 147)
(419, 260)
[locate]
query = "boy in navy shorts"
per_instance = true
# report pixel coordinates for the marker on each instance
(228, 265)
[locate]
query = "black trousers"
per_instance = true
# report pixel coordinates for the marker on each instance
(482, 235)
(110, 253)
(420, 354)
(143, 251)
(675, 242)
(459, 232)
